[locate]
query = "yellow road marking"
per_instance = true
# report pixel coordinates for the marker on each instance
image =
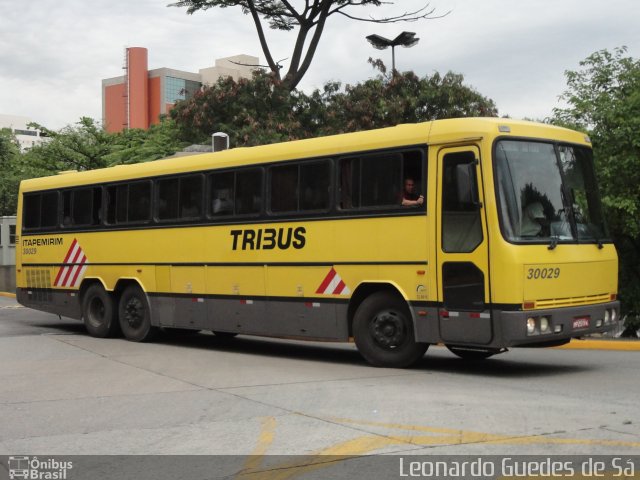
(367, 444)
(267, 434)
(592, 344)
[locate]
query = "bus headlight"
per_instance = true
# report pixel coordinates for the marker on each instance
(607, 317)
(544, 325)
(531, 326)
(614, 316)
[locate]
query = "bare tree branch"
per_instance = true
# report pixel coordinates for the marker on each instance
(283, 15)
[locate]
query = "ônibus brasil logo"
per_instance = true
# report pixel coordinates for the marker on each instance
(38, 469)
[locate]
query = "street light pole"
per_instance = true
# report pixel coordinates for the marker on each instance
(405, 39)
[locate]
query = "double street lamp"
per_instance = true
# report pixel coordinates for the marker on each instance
(405, 39)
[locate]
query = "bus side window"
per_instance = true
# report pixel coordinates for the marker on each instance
(139, 202)
(315, 186)
(248, 189)
(284, 188)
(168, 198)
(191, 197)
(377, 180)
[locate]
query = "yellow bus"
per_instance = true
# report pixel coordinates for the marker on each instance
(480, 234)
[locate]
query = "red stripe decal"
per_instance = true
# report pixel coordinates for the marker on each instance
(74, 260)
(73, 244)
(327, 280)
(75, 277)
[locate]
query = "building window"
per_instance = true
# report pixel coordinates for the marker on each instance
(179, 89)
(12, 234)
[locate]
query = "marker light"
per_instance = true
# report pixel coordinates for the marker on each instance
(598, 323)
(557, 329)
(544, 324)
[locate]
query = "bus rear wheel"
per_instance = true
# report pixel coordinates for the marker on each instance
(135, 315)
(98, 312)
(384, 334)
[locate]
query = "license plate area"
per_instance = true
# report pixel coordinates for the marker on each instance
(580, 323)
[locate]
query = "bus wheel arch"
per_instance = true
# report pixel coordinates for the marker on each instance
(99, 309)
(363, 291)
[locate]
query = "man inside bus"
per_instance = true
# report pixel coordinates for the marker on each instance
(410, 198)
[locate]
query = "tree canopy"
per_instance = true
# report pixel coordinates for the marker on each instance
(310, 21)
(261, 110)
(603, 100)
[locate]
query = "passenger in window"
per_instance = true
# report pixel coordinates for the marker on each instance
(533, 221)
(410, 198)
(222, 203)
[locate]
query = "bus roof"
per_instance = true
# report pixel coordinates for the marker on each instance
(434, 132)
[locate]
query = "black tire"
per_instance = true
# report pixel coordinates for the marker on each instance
(98, 312)
(135, 315)
(384, 334)
(470, 354)
(224, 335)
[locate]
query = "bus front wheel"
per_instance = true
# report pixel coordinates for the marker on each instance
(98, 312)
(135, 315)
(384, 334)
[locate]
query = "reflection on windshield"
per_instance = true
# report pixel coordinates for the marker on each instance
(547, 195)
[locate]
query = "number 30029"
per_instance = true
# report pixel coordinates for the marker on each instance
(543, 273)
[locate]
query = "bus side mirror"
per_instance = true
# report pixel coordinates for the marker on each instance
(466, 184)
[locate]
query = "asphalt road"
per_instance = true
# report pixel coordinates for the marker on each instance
(63, 392)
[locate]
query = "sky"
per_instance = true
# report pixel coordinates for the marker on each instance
(55, 53)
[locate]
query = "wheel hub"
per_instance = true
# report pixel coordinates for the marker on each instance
(387, 329)
(133, 313)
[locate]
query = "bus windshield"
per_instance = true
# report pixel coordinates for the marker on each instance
(547, 193)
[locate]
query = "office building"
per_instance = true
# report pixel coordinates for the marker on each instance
(138, 98)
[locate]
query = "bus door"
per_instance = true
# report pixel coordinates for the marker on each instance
(462, 253)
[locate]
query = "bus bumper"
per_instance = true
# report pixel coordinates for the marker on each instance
(513, 329)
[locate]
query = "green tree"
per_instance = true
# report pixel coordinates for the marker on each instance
(87, 145)
(10, 179)
(80, 147)
(309, 21)
(603, 100)
(252, 111)
(405, 98)
(136, 145)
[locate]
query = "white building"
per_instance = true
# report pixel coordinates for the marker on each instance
(27, 137)
(7, 241)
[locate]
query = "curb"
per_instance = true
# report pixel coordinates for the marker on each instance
(7, 294)
(593, 344)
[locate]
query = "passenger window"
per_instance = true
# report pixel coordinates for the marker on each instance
(180, 198)
(129, 202)
(81, 207)
(139, 202)
(378, 180)
(299, 188)
(40, 210)
(168, 195)
(248, 199)
(315, 183)
(284, 188)
(49, 213)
